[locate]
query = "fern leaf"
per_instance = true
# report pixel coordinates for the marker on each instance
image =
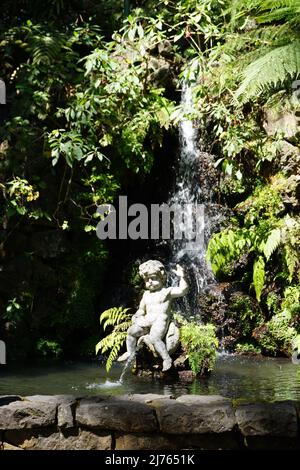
(114, 316)
(291, 259)
(270, 71)
(272, 242)
(259, 276)
(115, 351)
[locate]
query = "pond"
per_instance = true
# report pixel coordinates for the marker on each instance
(236, 377)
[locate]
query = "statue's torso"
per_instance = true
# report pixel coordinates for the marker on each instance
(157, 304)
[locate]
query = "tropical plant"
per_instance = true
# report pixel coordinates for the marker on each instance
(120, 320)
(279, 62)
(263, 231)
(199, 343)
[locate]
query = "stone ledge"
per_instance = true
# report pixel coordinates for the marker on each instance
(145, 421)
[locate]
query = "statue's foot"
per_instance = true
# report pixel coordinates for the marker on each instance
(167, 364)
(124, 357)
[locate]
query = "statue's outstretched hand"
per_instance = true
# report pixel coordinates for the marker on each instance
(178, 271)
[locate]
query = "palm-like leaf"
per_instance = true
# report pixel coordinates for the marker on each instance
(270, 71)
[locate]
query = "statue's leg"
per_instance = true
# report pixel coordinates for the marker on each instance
(133, 333)
(157, 332)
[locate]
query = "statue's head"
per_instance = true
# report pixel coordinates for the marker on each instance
(154, 274)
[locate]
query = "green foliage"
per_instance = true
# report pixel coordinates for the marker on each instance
(246, 313)
(279, 334)
(270, 71)
(276, 336)
(247, 348)
(264, 230)
(258, 276)
(120, 320)
(49, 348)
(291, 301)
(115, 108)
(200, 343)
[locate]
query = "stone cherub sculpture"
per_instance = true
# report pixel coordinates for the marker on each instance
(151, 321)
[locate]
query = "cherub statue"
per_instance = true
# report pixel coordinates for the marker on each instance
(151, 321)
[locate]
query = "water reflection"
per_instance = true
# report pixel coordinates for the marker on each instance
(234, 377)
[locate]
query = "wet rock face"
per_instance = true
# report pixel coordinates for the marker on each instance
(281, 123)
(289, 158)
(231, 310)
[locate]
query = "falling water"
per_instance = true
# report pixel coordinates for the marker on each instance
(193, 186)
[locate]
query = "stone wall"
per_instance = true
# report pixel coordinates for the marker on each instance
(145, 422)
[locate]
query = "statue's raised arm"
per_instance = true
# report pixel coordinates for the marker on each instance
(183, 287)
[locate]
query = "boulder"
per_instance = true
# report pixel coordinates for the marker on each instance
(75, 440)
(281, 123)
(267, 419)
(195, 414)
(24, 414)
(119, 415)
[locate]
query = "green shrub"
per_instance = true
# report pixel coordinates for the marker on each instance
(247, 348)
(200, 343)
(277, 335)
(49, 348)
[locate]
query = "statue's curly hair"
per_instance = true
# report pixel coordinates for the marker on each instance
(153, 267)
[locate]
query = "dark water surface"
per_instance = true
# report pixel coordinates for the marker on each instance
(234, 377)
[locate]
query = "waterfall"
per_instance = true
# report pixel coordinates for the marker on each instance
(194, 187)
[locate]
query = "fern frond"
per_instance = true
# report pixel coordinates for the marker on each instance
(120, 319)
(45, 48)
(272, 243)
(291, 259)
(123, 326)
(259, 276)
(270, 71)
(115, 351)
(114, 316)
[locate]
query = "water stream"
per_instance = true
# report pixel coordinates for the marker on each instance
(194, 193)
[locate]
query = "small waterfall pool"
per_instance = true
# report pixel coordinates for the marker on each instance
(237, 377)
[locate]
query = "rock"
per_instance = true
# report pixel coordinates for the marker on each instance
(142, 397)
(289, 157)
(65, 415)
(66, 407)
(57, 399)
(165, 49)
(6, 446)
(161, 71)
(281, 123)
(195, 414)
(145, 442)
(267, 419)
(7, 399)
(22, 415)
(167, 442)
(119, 415)
(186, 376)
(75, 440)
(93, 399)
